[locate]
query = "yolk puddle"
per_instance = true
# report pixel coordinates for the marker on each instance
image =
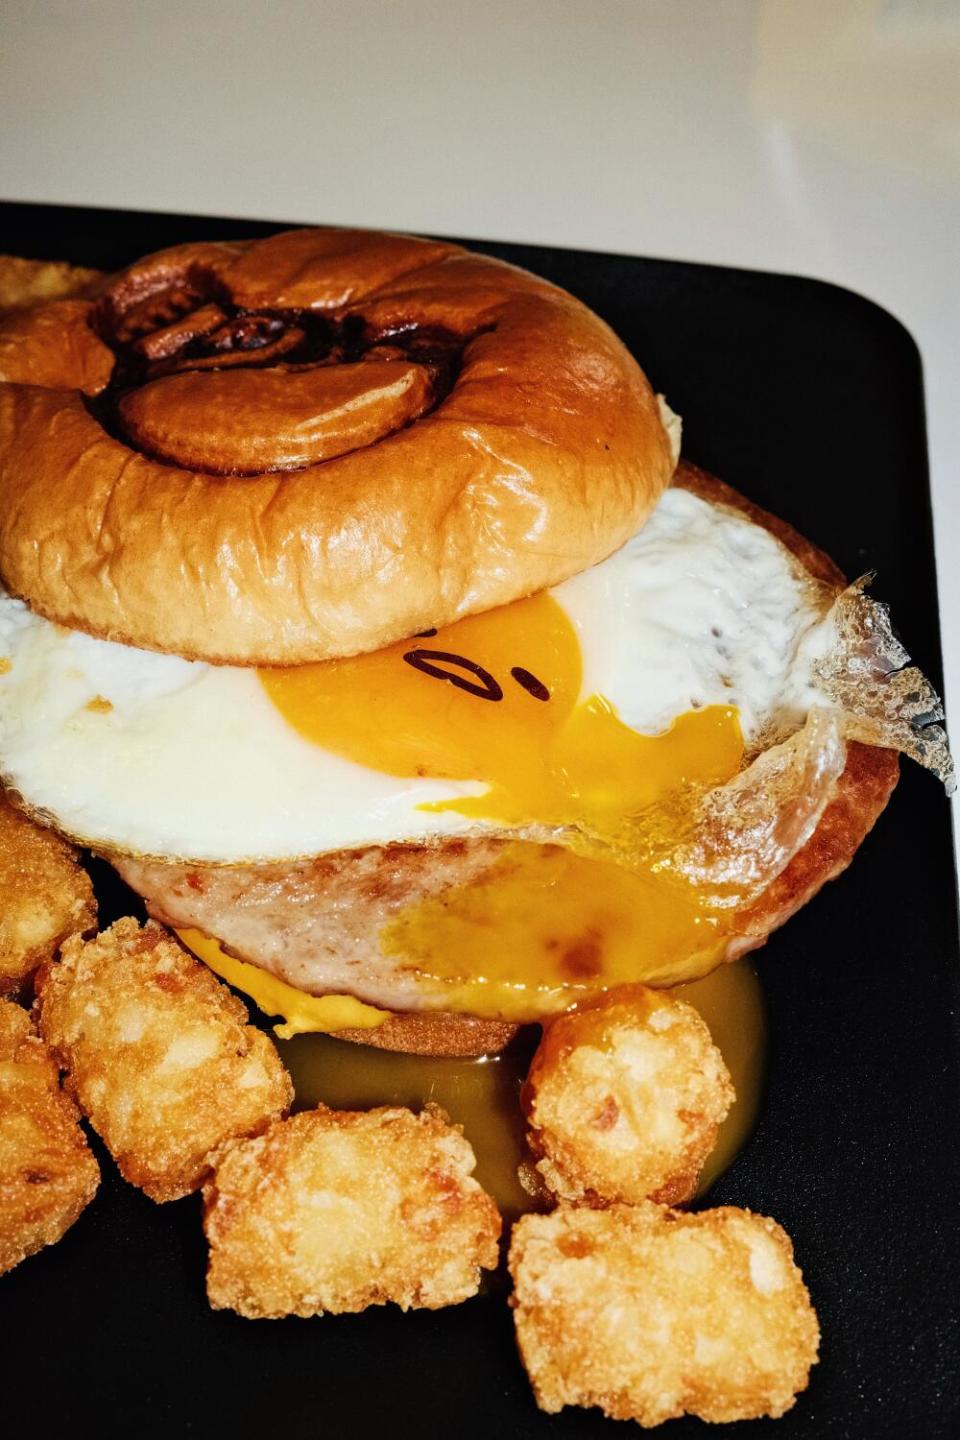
(496, 699)
(483, 1095)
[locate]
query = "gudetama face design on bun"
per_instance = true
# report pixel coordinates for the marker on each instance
(350, 613)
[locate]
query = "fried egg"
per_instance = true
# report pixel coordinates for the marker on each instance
(650, 670)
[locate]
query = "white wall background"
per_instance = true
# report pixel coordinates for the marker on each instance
(817, 136)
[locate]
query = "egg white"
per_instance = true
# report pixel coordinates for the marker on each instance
(193, 762)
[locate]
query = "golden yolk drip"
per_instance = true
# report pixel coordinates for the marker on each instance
(546, 926)
(496, 699)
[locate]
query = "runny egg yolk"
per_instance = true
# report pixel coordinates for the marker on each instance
(547, 927)
(496, 699)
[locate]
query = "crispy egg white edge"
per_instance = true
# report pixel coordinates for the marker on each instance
(193, 762)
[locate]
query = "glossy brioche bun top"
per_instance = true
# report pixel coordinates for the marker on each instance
(313, 445)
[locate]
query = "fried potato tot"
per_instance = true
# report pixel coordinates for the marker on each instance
(31, 282)
(624, 1098)
(158, 1055)
(45, 896)
(332, 1211)
(650, 1313)
(48, 1174)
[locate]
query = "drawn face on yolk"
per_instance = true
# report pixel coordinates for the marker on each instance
(495, 698)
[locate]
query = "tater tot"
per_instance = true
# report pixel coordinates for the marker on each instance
(34, 282)
(650, 1313)
(332, 1211)
(45, 896)
(158, 1055)
(624, 1098)
(48, 1174)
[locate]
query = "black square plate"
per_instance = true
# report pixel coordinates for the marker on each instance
(809, 399)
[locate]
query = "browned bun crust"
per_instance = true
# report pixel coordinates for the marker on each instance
(427, 1032)
(519, 444)
(52, 346)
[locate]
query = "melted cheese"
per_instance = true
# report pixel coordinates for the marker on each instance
(300, 1013)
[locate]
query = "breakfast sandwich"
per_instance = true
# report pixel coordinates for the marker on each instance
(357, 609)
